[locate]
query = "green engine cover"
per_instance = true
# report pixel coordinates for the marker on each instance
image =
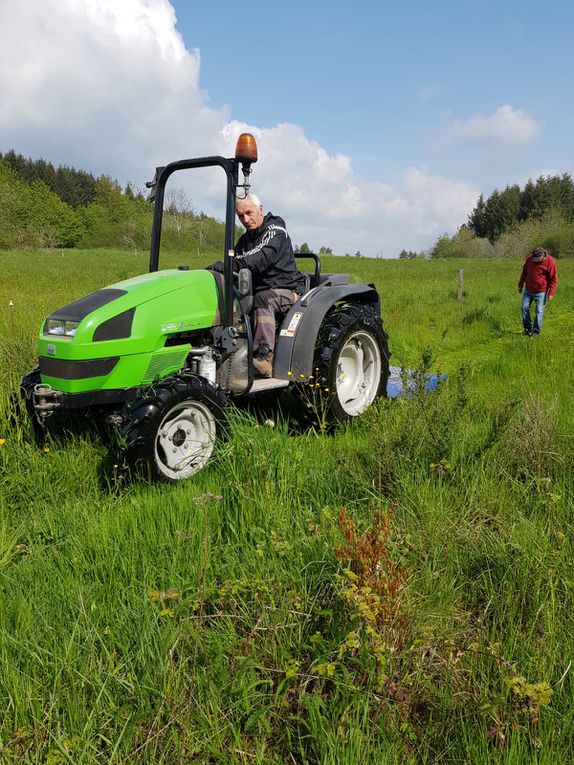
(120, 340)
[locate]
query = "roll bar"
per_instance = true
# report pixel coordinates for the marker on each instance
(157, 194)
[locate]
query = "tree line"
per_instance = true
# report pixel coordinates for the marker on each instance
(514, 221)
(502, 210)
(74, 187)
(42, 205)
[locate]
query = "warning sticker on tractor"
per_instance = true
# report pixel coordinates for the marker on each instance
(292, 328)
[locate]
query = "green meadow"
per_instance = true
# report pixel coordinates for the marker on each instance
(399, 592)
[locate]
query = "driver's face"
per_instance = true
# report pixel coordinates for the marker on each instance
(249, 214)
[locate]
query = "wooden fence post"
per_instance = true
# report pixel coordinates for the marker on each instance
(460, 286)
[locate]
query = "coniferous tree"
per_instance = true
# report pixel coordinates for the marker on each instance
(527, 201)
(509, 201)
(74, 187)
(493, 216)
(477, 218)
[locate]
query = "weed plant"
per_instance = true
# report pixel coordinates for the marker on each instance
(398, 592)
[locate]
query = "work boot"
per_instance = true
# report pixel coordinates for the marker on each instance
(263, 366)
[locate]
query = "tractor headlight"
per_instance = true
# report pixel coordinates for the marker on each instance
(70, 328)
(59, 327)
(54, 327)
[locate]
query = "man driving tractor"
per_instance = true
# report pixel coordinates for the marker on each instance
(266, 250)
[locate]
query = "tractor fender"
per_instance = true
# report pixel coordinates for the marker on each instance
(136, 413)
(297, 338)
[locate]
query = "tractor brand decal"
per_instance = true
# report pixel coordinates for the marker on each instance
(51, 350)
(179, 325)
(292, 328)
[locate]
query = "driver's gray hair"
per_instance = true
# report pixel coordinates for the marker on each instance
(250, 198)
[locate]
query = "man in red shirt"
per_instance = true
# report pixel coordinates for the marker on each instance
(539, 276)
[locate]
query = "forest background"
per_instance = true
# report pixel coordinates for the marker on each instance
(44, 206)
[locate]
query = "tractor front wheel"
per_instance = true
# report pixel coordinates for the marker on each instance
(171, 434)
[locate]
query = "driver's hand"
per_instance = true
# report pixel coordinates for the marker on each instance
(217, 266)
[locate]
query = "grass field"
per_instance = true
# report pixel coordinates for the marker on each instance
(400, 592)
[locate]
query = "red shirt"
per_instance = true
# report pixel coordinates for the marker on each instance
(539, 277)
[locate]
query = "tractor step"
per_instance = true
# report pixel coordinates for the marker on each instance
(268, 383)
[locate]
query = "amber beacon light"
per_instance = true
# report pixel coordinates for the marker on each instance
(246, 148)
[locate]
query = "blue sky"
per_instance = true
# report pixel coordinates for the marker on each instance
(379, 123)
(381, 81)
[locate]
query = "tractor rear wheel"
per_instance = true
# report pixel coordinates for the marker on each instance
(172, 434)
(351, 362)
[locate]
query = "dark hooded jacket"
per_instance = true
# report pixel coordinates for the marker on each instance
(268, 253)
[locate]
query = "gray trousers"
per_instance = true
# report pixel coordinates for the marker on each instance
(267, 306)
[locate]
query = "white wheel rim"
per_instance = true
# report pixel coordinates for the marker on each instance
(359, 369)
(185, 440)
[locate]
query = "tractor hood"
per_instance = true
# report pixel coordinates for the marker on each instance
(134, 316)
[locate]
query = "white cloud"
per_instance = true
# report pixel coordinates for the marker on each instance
(102, 82)
(505, 126)
(299, 172)
(326, 204)
(110, 87)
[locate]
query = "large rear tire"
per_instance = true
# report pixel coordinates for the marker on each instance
(171, 434)
(351, 362)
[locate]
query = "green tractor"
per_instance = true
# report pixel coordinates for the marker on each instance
(158, 357)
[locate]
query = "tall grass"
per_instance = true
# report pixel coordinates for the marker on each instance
(243, 617)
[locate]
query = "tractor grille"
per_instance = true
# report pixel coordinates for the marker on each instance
(163, 362)
(76, 370)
